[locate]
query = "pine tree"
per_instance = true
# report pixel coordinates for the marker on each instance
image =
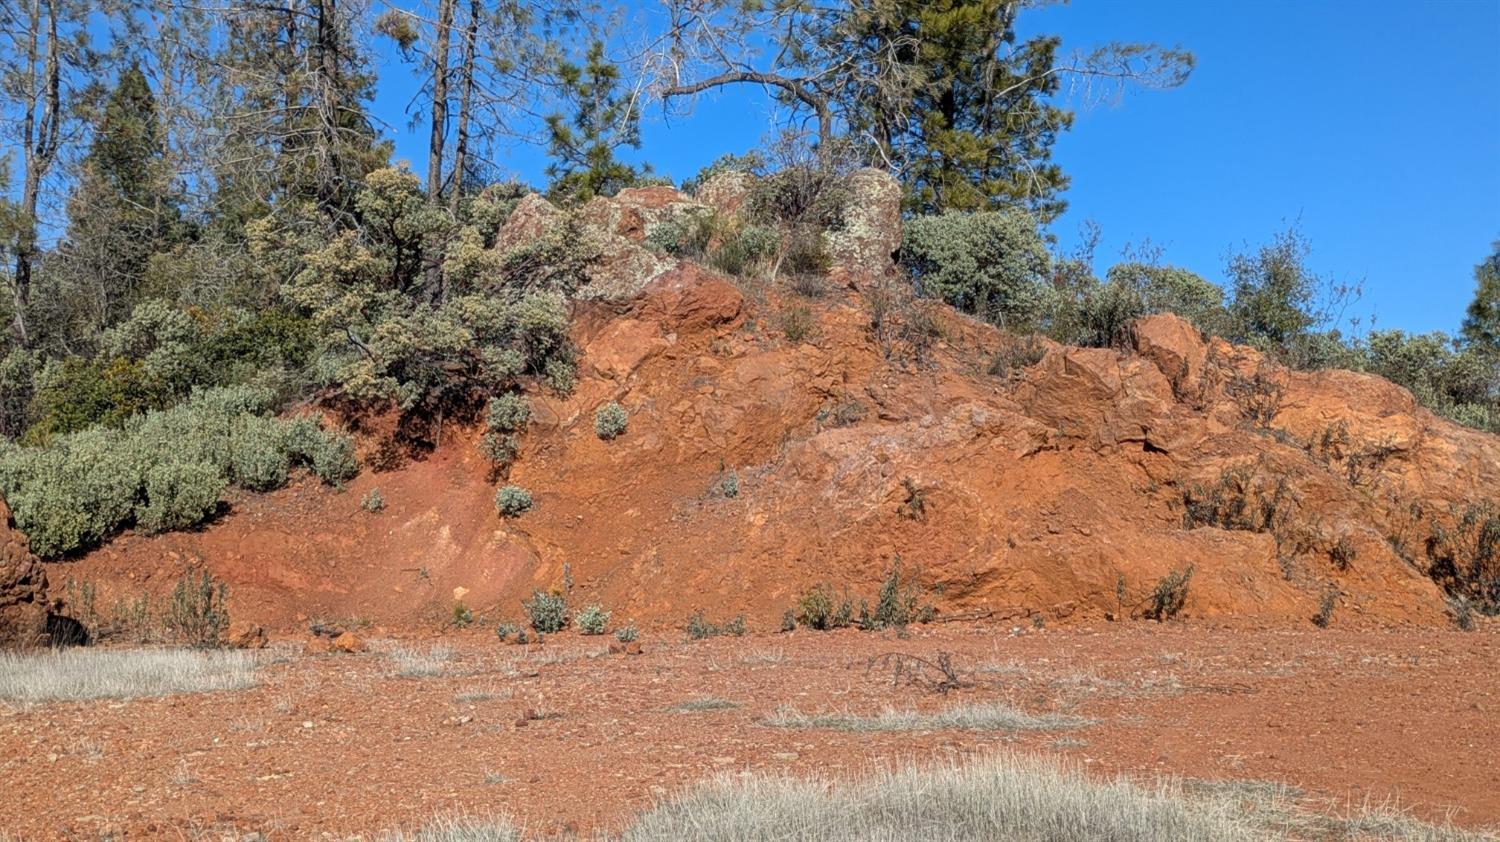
(958, 103)
(1482, 325)
(943, 93)
(124, 208)
(604, 118)
(293, 84)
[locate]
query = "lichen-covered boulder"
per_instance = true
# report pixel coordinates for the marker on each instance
(619, 229)
(533, 216)
(725, 192)
(865, 248)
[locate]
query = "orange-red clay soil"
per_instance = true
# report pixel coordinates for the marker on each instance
(335, 746)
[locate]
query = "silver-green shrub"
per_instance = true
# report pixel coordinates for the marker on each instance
(373, 501)
(507, 413)
(512, 500)
(610, 420)
(164, 470)
(179, 495)
(258, 458)
(993, 264)
(548, 612)
(592, 619)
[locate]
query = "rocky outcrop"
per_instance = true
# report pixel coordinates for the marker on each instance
(864, 249)
(617, 228)
(24, 609)
(755, 467)
(725, 193)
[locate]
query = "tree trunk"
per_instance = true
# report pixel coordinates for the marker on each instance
(437, 139)
(465, 100)
(40, 151)
(326, 48)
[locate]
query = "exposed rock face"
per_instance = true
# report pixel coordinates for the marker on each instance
(1057, 492)
(531, 218)
(617, 226)
(871, 237)
(726, 192)
(24, 611)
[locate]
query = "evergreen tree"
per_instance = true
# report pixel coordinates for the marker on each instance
(604, 118)
(293, 84)
(943, 93)
(960, 104)
(1482, 325)
(124, 208)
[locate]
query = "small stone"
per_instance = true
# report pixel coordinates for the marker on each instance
(245, 635)
(349, 643)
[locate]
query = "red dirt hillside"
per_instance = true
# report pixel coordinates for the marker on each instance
(1057, 491)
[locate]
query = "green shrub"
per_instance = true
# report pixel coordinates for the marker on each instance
(796, 322)
(548, 612)
(1169, 595)
(1240, 499)
(512, 500)
(179, 495)
(333, 461)
(592, 619)
(745, 250)
(372, 501)
(463, 616)
(505, 631)
(500, 448)
(683, 235)
(1463, 555)
(258, 457)
(197, 615)
(804, 254)
(993, 264)
(1457, 382)
(380, 336)
(507, 413)
(330, 456)
(698, 626)
(729, 486)
(610, 420)
(1326, 606)
(627, 634)
(163, 470)
(815, 608)
(898, 603)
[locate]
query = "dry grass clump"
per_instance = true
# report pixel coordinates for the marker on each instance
(79, 674)
(991, 716)
(705, 704)
(1006, 798)
(411, 662)
(1011, 797)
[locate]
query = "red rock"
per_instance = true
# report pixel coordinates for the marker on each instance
(348, 643)
(246, 635)
(24, 610)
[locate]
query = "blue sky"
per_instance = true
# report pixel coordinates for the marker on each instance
(1377, 125)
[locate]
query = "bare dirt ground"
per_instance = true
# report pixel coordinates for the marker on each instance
(570, 739)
